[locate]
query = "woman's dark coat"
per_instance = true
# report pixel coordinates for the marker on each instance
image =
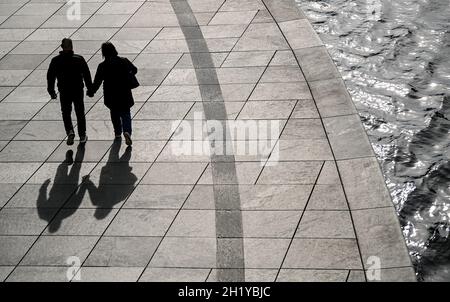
(113, 72)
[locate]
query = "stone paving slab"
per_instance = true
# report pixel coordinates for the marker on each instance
(313, 207)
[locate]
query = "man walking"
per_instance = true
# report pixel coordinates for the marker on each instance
(70, 70)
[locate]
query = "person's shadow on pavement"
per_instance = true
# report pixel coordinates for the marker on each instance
(115, 184)
(65, 185)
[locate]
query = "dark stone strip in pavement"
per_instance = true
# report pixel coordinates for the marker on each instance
(230, 252)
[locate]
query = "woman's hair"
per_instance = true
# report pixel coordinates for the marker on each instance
(108, 50)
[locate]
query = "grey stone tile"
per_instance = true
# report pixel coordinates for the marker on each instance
(115, 8)
(235, 17)
(55, 250)
(38, 274)
(143, 93)
(284, 58)
(13, 77)
(226, 173)
(28, 94)
(142, 222)
(347, 137)
(252, 197)
(141, 152)
(23, 151)
(157, 60)
(301, 172)
(329, 174)
(13, 248)
(93, 152)
(185, 252)
(118, 173)
(248, 58)
(89, 8)
(356, 276)
(280, 91)
(250, 275)
(379, 235)
(123, 251)
(31, 196)
(311, 275)
(81, 222)
(109, 274)
(209, 76)
(284, 10)
(61, 21)
(303, 129)
(264, 253)
(23, 221)
(332, 98)
(305, 109)
(208, 32)
(282, 74)
(174, 173)
(232, 110)
(7, 191)
(14, 34)
(158, 196)
(316, 63)
(278, 224)
(25, 22)
(33, 9)
(323, 254)
(202, 60)
(327, 197)
(4, 272)
(42, 130)
(261, 36)
(267, 110)
(37, 47)
(61, 173)
(151, 19)
(364, 184)
(301, 149)
(164, 110)
(50, 34)
(8, 129)
(93, 34)
(7, 46)
(16, 172)
(4, 91)
(326, 224)
(152, 76)
(21, 62)
(194, 223)
(154, 274)
(263, 16)
(242, 5)
(300, 34)
(143, 33)
(195, 45)
(98, 20)
(38, 78)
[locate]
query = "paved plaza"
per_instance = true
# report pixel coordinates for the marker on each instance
(313, 208)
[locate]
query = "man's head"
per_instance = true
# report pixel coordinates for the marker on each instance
(66, 44)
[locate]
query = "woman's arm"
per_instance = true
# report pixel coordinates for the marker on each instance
(98, 80)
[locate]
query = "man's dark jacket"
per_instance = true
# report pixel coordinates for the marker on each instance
(114, 72)
(70, 70)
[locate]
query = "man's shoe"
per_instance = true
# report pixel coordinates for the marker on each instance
(128, 140)
(70, 138)
(83, 139)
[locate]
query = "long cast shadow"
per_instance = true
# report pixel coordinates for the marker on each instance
(115, 184)
(64, 183)
(229, 230)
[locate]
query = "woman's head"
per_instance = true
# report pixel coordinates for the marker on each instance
(108, 50)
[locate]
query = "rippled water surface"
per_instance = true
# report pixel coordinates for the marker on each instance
(395, 59)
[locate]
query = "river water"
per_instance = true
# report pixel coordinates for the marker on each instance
(394, 57)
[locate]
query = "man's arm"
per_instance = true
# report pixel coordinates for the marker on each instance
(51, 78)
(86, 75)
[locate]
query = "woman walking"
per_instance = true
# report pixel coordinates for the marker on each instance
(115, 73)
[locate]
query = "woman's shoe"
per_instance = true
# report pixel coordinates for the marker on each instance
(128, 140)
